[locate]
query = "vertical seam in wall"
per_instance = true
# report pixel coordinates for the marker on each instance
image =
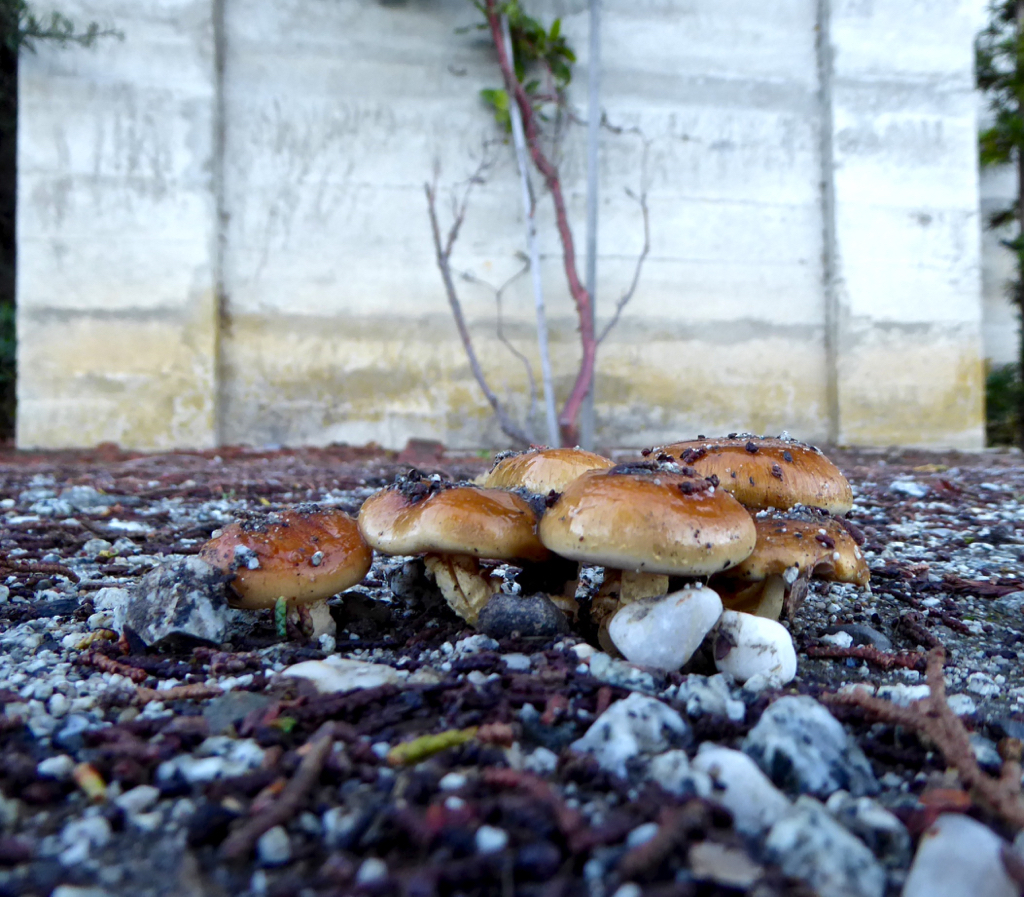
(823, 49)
(220, 219)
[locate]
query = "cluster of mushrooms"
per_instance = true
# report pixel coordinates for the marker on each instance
(748, 518)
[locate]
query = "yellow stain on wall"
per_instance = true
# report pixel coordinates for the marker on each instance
(144, 381)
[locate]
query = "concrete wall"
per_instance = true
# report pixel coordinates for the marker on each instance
(814, 262)
(117, 233)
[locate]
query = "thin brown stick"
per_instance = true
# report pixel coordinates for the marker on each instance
(500, 333)
(625, 298)
(933, 718)
(585, 376)
(443, 250)
(242, 840)
(197, 692)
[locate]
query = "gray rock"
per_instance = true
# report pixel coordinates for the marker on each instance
(52, 507)
(806, 842)
(139, 799)
(863, 635)
(710, 696)
(672, 771)
(1010, 603)
(81, 836)
(631, 730)
(411, 583)
(618, 672)
(71, 735)
(805, 750)
(909, 487)
(225, 711)
(88, 498)
(956, 856)
(179, 603)
(729, 866)
(532, 616)
(879, 829)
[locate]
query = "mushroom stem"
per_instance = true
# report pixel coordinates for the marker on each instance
(624, 587)
(635, 585)
(762, 599)
(461, 583)
(314, 620)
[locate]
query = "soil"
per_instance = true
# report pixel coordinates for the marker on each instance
(943, 536)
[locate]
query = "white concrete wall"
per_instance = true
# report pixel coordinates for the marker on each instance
(335, 324)
(116, 231)
(907, 222)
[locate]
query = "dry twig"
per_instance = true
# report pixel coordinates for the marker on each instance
(443, 251)
(106, 665)
(241, 841)
(197, 692)
(910, 660)
(933, 718)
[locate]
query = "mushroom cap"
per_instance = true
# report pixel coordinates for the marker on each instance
(815, 543)
(637, 517)
(420, 516)
(304, 554)
(542, 470)
(766, 472)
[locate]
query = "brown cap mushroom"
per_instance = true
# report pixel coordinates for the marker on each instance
(541, 470)
(452, 526)
(305, 555)
(792, 546)
(765, 472)
(536, 474)
(649, 523)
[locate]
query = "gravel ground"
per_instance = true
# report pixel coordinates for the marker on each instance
(255, 783)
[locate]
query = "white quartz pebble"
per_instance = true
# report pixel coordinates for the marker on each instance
(337, 674)
(755, 650)
(959, 855)
(664, 632)
(740, 786)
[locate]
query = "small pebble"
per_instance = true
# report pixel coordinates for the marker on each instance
(754, 650)
(273, 847)
(490, 839)
(664, 632)
(371, 870)
(959, 856)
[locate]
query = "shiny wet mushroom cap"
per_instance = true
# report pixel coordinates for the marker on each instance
(766, 472)
(304, 555)
(452, 527)
(642, 519)
(792, 546)
(542, 470)
(484, 523)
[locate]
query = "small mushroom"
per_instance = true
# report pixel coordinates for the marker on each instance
(541, 470)
(539, 475)
(645, 523)
(452, 527)
(792, 547)
(765, 472)
(305, 555)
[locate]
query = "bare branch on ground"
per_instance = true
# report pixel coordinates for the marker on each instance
(933, 718)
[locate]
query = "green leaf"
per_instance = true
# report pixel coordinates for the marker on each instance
(498, 101)
(556, 29)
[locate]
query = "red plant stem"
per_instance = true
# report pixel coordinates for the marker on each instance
(585, 376)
